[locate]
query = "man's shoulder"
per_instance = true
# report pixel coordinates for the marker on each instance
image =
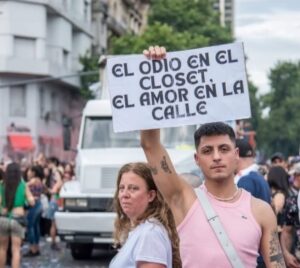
(254, 176)
(261, 208)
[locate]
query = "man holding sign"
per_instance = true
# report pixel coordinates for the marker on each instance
(203, 85)
(249, 222)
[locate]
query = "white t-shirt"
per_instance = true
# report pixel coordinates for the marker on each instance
(148, 242)
(244, 172)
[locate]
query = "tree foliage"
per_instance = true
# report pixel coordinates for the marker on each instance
(89, 63)
(280, 130)
(255, 105)
(166, 35)
(194, 16)
(177, 25)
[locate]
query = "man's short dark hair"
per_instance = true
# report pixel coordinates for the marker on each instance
(213, 129)
(245, 149)
(277, 155)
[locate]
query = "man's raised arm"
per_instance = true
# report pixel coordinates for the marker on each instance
(177, 193)
(165, 176)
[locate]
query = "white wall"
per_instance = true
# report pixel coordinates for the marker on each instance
(81, 45)
(59, 32)
(3, 115)
(6, 45)
(22, 37)
(44, 44)
(27, 20)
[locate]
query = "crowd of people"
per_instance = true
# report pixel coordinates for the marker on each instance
(242, 215)
(155, 219)
(29, 198)
(277, 182)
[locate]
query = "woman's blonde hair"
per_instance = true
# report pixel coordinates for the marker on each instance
(157, 209)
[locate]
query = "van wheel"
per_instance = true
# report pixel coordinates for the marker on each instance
(81, 251)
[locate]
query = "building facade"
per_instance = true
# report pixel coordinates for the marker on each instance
(116, 18)
(226, 11)
(40, 45)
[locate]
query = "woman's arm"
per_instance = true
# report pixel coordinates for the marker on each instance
(29, 196)
(286, 241)
(58, 183)
(143, 264)
(278, 202)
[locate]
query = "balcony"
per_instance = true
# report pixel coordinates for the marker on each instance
(118, 27)
(77, 19)
(17, 65)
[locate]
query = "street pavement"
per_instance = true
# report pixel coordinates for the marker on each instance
(63, 259)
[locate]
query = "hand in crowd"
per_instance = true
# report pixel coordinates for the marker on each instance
(291, 261)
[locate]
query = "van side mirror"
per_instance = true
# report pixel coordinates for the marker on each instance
(66, 122)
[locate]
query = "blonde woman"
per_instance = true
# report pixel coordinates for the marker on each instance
(144, 228)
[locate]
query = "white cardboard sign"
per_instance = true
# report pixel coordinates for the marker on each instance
(187, 87)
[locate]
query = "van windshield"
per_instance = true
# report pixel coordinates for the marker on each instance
(98, 133)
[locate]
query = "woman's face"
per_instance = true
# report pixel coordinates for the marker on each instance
(297, 179)
(30, 174)
(134, 196)
(46, 172)
(68, 168)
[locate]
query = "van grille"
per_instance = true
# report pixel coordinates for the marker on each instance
(109, 177)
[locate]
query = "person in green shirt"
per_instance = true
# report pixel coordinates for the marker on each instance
(14, 194)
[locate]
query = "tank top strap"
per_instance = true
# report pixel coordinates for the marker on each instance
(245, 199)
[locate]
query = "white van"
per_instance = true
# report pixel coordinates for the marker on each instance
(87, 218)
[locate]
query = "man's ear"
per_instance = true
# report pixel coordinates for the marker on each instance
(237, 152)
(196, 157)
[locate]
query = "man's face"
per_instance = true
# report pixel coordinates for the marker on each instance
(217, 156)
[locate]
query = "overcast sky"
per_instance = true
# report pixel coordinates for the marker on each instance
(270, 31)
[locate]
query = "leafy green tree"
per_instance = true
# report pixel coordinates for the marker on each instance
(89, 63)
(166, 35)
(280, 130)
(194, 16)
(255, 105)
(177, 25)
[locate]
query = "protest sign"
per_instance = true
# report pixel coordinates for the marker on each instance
(187, 87)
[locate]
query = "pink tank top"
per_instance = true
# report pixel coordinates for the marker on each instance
(199, 246)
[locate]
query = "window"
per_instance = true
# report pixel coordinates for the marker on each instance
(98, 133)
(17, 101)
(24, 47)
